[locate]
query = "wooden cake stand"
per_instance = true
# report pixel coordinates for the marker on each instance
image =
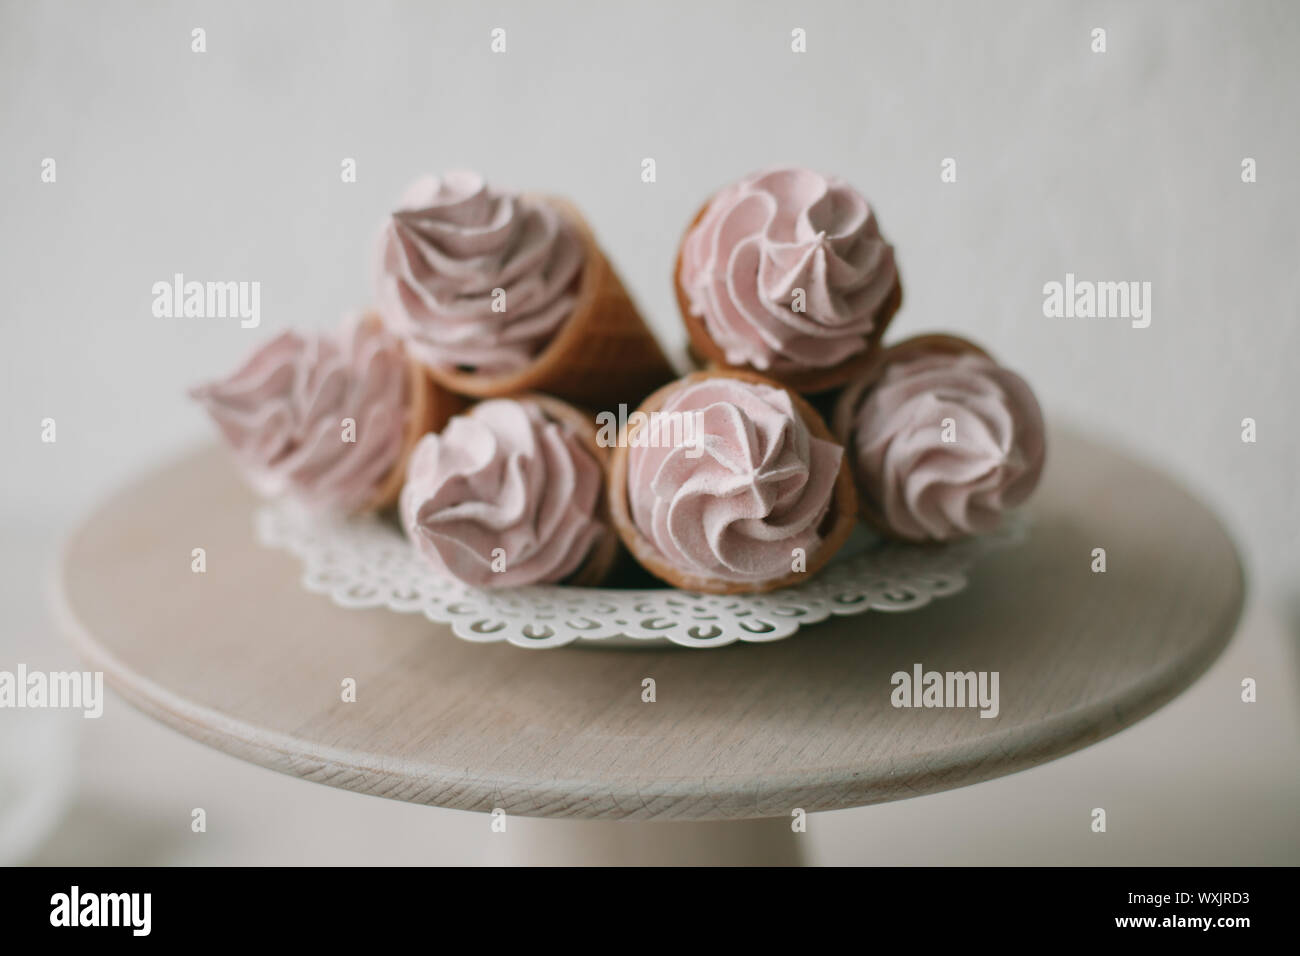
(243, 659)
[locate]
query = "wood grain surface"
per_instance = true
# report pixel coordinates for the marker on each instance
(242, 658)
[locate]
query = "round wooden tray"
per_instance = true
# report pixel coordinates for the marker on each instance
(242, 658)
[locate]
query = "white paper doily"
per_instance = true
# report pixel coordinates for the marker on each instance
(368, 563)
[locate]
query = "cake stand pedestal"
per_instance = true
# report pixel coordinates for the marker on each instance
(242, 658)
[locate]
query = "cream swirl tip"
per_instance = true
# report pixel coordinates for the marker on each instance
(788, 270)
(286, 411)
(944, 443)
(752, 486)
(504, 496)
(476, 278)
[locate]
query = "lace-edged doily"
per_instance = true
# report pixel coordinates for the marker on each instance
(367, 563)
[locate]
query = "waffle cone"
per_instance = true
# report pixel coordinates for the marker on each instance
(839, 520)
(604, 354)
(855, 393)
(805, 381)
(430, 408)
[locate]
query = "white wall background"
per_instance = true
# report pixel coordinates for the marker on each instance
(1123, 165)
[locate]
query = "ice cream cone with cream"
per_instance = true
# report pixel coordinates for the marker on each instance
(758, 497)
(940, 438)
(786, 273)
(499, 293)
(512, 493)
(328, 419)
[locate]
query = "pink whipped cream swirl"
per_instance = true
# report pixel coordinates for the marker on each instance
(930, 489)
(756, 486)
(283, 413)
(503, 476)
(770, 235)
(446, 251)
